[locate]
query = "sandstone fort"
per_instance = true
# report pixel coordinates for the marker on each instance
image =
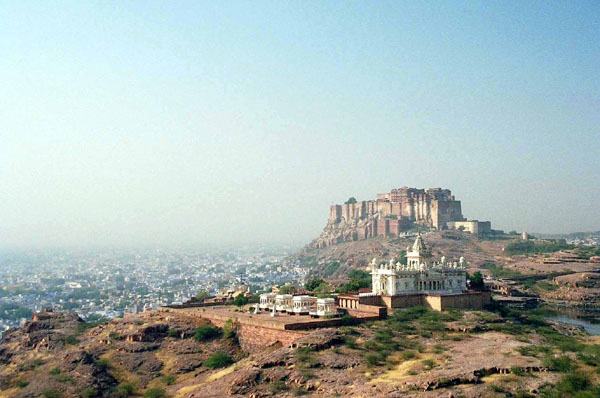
(394, 212)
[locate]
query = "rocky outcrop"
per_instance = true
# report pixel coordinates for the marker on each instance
(580, 289)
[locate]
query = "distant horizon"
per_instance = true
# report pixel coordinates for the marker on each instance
(201, 123)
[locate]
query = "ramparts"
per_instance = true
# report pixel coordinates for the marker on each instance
(390, 214)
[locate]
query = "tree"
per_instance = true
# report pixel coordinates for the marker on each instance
(314, 283)
(240, 300)
(323, 288)
(351, 201)
(202, 294)
(358, 279)
(476, 280)
(287, 289)
(402, 257)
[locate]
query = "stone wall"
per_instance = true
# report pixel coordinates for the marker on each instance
(473, 226)
(440, 302)
(409, 300)
(470, 300)
(255, 338)
(390, 214)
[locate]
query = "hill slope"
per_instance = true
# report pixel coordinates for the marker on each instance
(415, 352)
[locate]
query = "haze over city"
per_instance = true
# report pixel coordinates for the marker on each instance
(139, 124)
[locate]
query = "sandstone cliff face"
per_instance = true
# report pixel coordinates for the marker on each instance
(390, 214)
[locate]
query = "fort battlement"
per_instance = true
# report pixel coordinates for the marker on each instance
(390, 214)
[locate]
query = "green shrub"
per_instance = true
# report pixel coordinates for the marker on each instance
(428, 364)
(572, 385)
(348, 320)
(174, 333)
(590, 355)
(299, 391)
(277, 386)
(229, 329)
(83, 326)
(103, 364)
(305, 355)
(574, 382)
(561, 364)
(154, 393)
(22, 383)
(529, 247)
(372, 359)
(89, 392)
(499, 271)
(384, 335)
(51, 393)
(126, 389)
(71, 340)
(115, 336)
(169, 379)
(205, 333)
(65, 379)
(218, 360)
(496, 388)
(55, 371)
(533, 350)
(350, 342)
(517, 371)
(522, 394)
(408, 354)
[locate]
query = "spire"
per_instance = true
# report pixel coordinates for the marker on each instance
(419, 246)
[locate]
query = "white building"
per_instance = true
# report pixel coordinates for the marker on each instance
(303, 304)
(283, 302)
(325, 307)
(419, 275)
(267, 301)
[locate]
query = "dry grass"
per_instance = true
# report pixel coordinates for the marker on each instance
(402, 371)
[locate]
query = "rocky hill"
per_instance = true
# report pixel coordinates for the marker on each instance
(358, 254)
(163, 354)
(501, 257)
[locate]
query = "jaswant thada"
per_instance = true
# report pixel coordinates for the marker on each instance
(436, 284)
(419, 275)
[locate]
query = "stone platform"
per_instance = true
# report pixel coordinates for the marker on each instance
(256, 331)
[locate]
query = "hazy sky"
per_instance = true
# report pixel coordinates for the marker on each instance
(194, 122)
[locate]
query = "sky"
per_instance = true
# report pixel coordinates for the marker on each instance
(127, 123)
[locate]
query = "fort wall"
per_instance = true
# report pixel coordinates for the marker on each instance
(390, 214)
